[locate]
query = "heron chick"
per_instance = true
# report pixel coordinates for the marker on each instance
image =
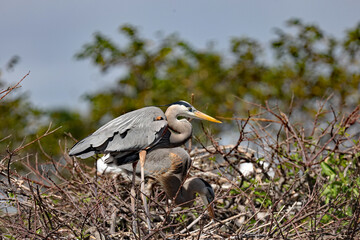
(169, 167)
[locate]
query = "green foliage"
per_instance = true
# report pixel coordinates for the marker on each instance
(344, 178)
(311, 65)
(181, 218)
(9, 237)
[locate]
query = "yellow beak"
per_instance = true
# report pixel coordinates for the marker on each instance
(205, 117)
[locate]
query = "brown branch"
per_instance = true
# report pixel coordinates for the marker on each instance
(13, 87)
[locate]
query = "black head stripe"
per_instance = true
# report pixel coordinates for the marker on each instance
(181, 102)
(186, 104)
(206, 183)
(210, 190)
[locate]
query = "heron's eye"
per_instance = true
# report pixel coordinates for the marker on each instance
(190, 109)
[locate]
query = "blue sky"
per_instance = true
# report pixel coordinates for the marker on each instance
(46, 34)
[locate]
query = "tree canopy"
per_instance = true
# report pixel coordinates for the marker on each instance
(309, 65)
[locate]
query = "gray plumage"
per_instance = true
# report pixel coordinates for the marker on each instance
(143, 129)
(169, 166)
(175, 161)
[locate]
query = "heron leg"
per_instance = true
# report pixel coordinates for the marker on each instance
(142, 156)
(132, 198)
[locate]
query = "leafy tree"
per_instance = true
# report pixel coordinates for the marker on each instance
(317, 65)
(309, 65)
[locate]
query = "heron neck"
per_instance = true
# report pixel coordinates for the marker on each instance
(185, 194)
(181, 130)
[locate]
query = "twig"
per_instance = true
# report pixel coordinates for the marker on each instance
(15, 86)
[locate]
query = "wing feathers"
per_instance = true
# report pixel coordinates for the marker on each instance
(135, 130)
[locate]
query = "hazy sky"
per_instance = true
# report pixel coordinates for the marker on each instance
(46, 34)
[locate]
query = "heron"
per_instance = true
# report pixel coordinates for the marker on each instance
(130, 136)
(169, 167)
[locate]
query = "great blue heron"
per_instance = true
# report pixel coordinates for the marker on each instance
(169, 167)
(143, 129)
(130, 136)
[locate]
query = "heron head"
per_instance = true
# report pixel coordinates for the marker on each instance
(185, 109)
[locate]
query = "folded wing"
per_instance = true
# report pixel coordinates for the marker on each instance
(132, 131)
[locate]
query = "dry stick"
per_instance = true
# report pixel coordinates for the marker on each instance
(281, 232)
(288, 211)
(153, 232)
(295, 228)
(18, 228)
(250, 119)
(69, 197)
(333, 137)
(354, 221)
(213, 224)
(318, 113)
(18, 209)
(48, 132)
(277, 202)
(300, 141)
(3, 139)
(239, 189)
(200, 230)
(37, 172)
(241, 138)
(285, 121)
(303, 216)
(118, 200)
(41, 219)
(19, 183)
(208, 151)
(43, 208)
(167, 215)
(188, 227)
(218, 150)
(113, 220)
(8, 169)
(15, 86)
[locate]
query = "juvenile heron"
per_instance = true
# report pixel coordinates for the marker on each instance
(130, 136)
(169, 167)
